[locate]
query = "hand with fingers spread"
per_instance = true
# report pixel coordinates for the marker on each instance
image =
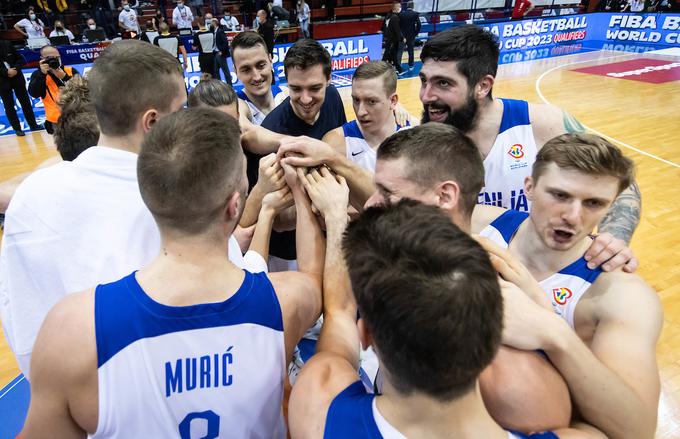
(271, 176)
(513, 271)
(305, 151)
(610, 253)
(329, 193)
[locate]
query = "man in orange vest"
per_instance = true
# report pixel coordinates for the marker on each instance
(47, 81)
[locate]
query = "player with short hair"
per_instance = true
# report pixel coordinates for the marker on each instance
(190, 340)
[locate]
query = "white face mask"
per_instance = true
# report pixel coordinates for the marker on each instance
(93, 26)
(126, 7)
(208, 23)
(32, 16)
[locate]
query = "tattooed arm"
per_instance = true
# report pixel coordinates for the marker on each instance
(624, 215)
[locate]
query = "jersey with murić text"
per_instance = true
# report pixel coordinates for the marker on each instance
(212, 370)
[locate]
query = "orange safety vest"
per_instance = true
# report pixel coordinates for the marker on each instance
(52, 111)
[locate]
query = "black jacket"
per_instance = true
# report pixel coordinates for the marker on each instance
(222, 42)
(9, 55)
(266, 29)
(393, 34)
(37, 87)
(410, 23)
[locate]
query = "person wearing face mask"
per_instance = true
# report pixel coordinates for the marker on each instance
(91, 25)
(31, 26)
(157, 19)
(127, 19)
(60, 30)
(182, 17)
(47, 81)
(221, 50)
(229, 22)
(204, 44)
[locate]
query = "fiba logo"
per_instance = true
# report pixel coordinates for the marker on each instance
(561, 295)
(516, 151)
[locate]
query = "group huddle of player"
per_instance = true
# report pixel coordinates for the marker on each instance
(265, 268)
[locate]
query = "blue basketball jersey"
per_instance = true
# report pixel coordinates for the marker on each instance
(351, 414)
(564, 288)
(209, 370)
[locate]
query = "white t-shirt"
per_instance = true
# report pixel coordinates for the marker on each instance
(231, 24)
(65, 32)
(34, 29)
(70, 227)
(278, 3)
(129, 20)
(636, 5)
(182, 18)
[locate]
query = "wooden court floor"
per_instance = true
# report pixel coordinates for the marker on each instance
(641, 118)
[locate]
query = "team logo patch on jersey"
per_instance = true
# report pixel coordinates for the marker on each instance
(561, 295)
(516, 151)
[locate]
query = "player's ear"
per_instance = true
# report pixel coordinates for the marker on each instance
(149, 118)
(364, 334)
(394, 100)
(484, 86)
(529, 185)
(448, 195)
(232, 207)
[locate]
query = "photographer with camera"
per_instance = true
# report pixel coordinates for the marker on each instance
(47, 81)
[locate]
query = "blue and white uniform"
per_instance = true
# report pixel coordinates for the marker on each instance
(357, 148)
(257, 115)
(209, 370)
(353, 413)
(510, 160)
(564, 288)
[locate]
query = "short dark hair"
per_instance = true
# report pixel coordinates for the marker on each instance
(212, 93)
(129, 78)
(428, 295)
(376, 69)
(586, 153)
(474, 49)
(248, 39)
(307, 53)
(186, 174)
(77, 128)
(437, 152)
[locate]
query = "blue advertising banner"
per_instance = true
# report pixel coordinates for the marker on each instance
(346, 53)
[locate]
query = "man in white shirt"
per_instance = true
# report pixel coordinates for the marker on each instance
(182, 17)
(60, 30)
(127, 19)
(79, 223)
(229, 22)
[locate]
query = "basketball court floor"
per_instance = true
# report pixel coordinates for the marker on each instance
(632, 99)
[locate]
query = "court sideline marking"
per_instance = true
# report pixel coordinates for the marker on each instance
(611, 139)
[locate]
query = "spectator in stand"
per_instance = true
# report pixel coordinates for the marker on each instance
(330, 8)
(198, 7)
(91, 25)
(410, 28)
(12, 83)
(60, 31)
(266, 29)
(609, 6)
(229, 23)
(634, 6)
(303, 15)
(47, 81)
(277, 12)
(157, 19)
(182, 17)
(127, 19)
(31, 26)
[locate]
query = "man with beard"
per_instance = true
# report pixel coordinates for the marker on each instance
(457, 77)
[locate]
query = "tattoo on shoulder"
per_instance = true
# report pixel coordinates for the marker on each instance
(624, 214)
(571, 124)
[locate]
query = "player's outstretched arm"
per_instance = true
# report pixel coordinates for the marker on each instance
(64, 372)
(624, 214)
(335, 364)
(300, 292)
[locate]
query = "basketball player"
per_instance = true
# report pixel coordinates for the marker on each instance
(78, 223)
(575, 179)
(190, 342)
(457, 78)
(405, 261)
(437, 165)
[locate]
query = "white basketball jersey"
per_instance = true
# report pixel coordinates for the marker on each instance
(357, 148)
(204, 371)
(564, 288)
(510, 160)
(257, 114)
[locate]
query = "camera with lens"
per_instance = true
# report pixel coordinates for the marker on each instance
(53, 62)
